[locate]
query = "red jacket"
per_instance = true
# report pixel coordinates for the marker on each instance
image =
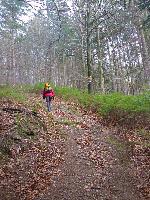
(48, 93)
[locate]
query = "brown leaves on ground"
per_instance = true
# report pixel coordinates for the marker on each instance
(30, 151)
(31, 148)
(132, 144)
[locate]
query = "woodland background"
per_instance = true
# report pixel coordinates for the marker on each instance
(104, 44)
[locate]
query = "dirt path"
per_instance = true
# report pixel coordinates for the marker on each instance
(92, 168)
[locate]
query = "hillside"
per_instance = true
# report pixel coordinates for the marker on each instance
(70, 153)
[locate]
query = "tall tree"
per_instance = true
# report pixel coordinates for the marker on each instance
(10, 28)
(102, 44)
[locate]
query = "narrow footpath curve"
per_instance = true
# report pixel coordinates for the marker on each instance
(92, 169)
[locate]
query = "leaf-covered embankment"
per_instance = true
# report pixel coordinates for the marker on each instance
(128, 118)
(31, 149)
(115, 107)
(92, 126)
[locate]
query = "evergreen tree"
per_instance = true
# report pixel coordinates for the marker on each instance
(145, 5)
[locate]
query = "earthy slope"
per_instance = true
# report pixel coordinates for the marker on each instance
(93, 167)
(69, 155)
(30, 152)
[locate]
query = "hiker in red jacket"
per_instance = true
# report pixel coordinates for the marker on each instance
(48, 94)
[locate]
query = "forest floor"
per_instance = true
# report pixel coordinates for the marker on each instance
(72, 156)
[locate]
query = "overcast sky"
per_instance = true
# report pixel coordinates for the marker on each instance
(36, 6)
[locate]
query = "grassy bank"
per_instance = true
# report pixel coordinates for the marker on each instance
(116, 104)
(105, 103)
(19, 92)
(114, 107)
(12, 92)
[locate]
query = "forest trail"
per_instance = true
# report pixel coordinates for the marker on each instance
(67, 154)
(93, 169)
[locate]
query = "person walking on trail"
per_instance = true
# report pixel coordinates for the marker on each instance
(48, 94)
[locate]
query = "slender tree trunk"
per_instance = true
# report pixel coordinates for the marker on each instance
(13, 61)
(88, 49)
(110, 65)
(145, 56)
(101, 73)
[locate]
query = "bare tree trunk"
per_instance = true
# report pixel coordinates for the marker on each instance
(88, 49)
(145, 56)
(12, 57)
(110, 65)
(101, 75)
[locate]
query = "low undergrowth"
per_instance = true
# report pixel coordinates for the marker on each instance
(31, 145)
(12, 92)
(116, 108)
(22, 124)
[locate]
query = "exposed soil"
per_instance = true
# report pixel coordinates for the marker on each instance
(72, 156)
(93, 168)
